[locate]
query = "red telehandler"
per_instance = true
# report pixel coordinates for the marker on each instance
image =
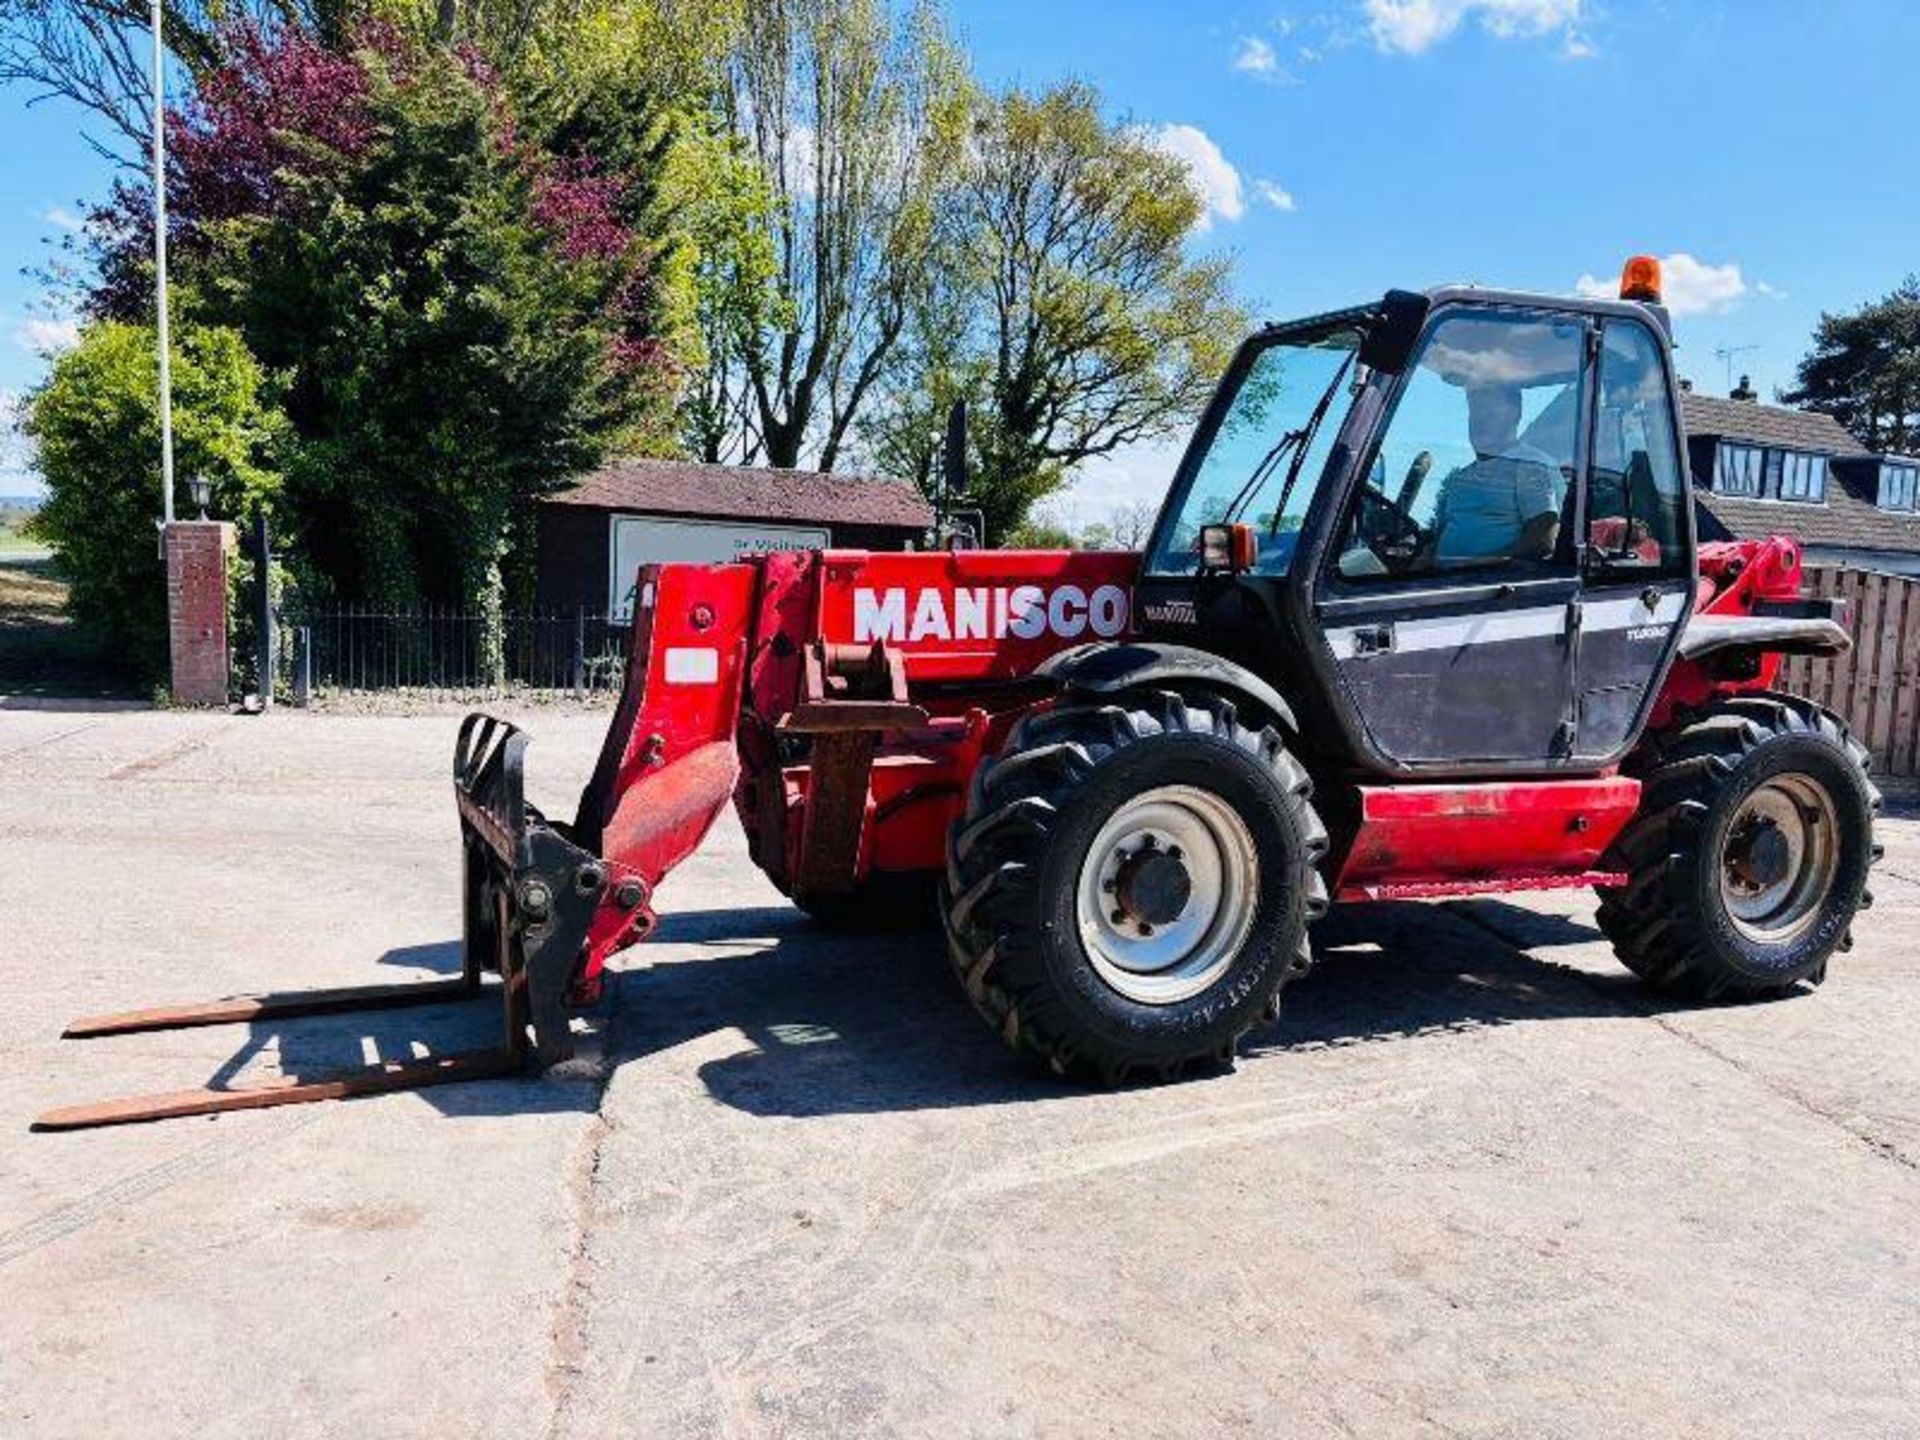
(1423, 615)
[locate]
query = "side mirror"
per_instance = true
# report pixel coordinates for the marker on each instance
(1231, 548)
(1390, 338)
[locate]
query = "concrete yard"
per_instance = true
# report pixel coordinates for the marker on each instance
(1473, 1182)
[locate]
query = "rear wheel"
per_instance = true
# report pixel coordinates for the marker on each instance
(1749, 858)
(1132, 884)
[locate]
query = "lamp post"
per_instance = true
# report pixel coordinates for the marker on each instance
(201, 489)
(160, 268)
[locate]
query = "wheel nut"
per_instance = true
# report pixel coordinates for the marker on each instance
(1173, 852)
(629, 893)
(535, 899)
(1145, 929)
(1119, 917)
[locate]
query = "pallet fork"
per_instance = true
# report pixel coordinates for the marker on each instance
(529, 897)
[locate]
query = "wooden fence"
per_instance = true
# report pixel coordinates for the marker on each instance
(1876, 685)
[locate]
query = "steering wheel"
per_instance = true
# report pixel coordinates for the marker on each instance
(1399, 544)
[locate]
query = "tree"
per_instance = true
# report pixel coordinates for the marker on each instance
(1070, 315)
(852, 117)
(735, 276)
(455, 286)
(95, 54)
(462, 324)
(96, 423)
(1864, 370)
(1131, 523)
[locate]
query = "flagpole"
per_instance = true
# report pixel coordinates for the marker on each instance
(160, 269)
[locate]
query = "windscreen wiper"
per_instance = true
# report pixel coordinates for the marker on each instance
(1299, 442)
(1260, 473)
(1310, 429)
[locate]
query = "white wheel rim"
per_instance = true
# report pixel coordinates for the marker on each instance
(1149, 958)
(1798, 818)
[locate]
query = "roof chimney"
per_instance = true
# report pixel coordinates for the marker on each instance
(1746, 390)
(1686, 386)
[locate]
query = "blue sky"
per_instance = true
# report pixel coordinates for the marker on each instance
(1351, 145)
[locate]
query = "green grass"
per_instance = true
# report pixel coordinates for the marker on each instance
(32, 592)
(41, 651)
(13, 537)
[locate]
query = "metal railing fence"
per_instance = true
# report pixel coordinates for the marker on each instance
(443, 651)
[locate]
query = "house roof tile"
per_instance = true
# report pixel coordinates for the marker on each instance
(1849, 518)
(1767, 425)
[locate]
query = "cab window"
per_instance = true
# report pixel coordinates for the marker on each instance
(1477, 462)
(1636, 505)
(1263, 460)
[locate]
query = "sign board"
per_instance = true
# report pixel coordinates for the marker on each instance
(636, 540)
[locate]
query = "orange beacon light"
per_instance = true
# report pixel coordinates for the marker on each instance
(1640, 279)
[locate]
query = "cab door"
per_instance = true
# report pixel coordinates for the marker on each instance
(1448, 601)
(1637, 559)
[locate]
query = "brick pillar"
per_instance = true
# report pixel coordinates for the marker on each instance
(197, 557)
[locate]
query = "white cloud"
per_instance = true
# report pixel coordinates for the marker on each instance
(1690, 286)
(1213, 177)
(1131, 475)
(1275, 194)
(1412, 27)
(1255, 57)
(1772, 292)
(47, 336)
(62, 218)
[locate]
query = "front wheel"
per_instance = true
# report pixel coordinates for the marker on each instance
(1132, 884)
(1749, 858)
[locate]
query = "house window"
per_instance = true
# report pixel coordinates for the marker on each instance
(1899, 487)
(1762, 474)
(1737, 470)
(1800, 477)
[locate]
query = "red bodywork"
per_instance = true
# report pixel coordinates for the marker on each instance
(843, 701)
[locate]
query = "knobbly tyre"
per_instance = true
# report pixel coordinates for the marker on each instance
(1423, 615)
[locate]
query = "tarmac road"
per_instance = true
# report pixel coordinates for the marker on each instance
(1474, 1181)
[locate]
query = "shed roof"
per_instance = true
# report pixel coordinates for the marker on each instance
(687, 487)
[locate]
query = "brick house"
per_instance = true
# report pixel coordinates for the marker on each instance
(1767, 470)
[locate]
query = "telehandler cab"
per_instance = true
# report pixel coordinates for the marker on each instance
(1422, 615)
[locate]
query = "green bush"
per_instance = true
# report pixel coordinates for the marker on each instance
(96, 421)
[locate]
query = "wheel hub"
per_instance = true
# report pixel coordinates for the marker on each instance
(1761, 856)
(1780, 858)
(1153, 885)
(1167, 894)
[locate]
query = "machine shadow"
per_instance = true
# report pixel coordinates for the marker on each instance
(824, 1023)
(1397, 970)
(838, 1024)
(324, 1047)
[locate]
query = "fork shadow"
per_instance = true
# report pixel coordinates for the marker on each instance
(812, 1023)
